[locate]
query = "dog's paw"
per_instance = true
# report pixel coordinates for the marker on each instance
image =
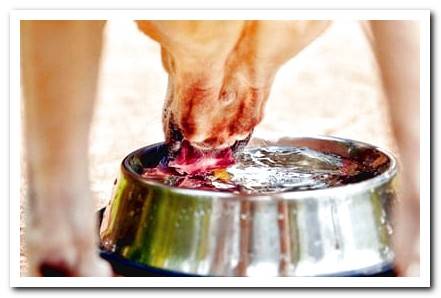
(61, 253)
(58, 267)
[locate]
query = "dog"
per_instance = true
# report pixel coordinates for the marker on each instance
(220, 76)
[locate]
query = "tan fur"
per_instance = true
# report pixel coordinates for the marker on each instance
(59, 72)
(220, 72)
(396, 45)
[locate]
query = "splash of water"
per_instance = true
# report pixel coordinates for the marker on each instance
(268, 169)
(278, 169)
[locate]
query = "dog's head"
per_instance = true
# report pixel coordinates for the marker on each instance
(220, 74)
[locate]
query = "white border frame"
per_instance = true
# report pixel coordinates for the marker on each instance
(15, 149)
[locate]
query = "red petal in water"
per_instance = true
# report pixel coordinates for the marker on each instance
(158, 173)
(190, 183)
(192, 161)
(192, 167)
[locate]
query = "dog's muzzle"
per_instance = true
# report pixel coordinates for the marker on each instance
(175, 137)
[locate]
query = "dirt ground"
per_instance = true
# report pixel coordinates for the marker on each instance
(331, 88)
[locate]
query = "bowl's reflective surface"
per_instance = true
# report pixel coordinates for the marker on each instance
(336, 231)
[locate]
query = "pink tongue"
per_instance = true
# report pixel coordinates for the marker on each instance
(194, 161)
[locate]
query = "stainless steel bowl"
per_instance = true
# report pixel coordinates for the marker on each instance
(342, 230)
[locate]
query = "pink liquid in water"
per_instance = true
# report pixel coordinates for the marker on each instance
(259, 170)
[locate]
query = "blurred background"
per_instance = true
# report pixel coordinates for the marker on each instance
(333, 87)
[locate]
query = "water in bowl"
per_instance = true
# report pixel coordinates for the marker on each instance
(268, 169)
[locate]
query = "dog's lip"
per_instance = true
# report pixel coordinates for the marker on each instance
(204, 147)
(235, 146)
(176, 137)
(238, 146)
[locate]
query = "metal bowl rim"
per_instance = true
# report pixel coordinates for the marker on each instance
(352, 188)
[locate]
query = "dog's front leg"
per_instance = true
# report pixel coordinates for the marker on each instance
(397, 48)
(59, 72)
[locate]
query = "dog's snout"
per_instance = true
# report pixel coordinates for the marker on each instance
(208, 123)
